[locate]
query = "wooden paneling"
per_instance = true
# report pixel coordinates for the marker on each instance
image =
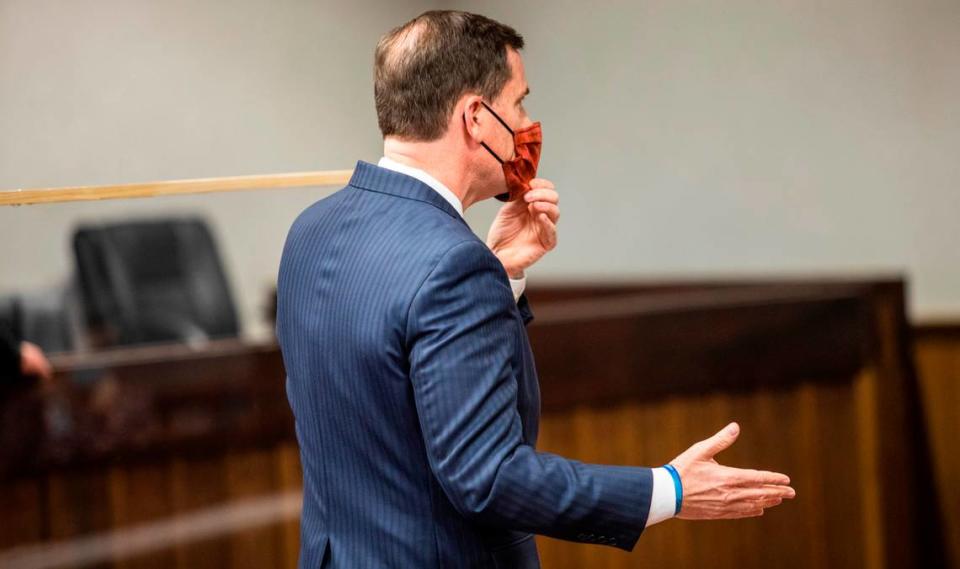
(819, 375)
(837, 358)
(810, 431)
(197, 483)
(938, 363)
(24, 512)
(252, 474)
(153, 434)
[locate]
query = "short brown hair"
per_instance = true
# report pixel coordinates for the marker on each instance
(424, 66)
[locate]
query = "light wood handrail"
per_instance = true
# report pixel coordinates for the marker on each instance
(174, 187)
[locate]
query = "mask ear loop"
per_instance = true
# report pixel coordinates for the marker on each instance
(484, 144)
(505, 125)
(494, 113)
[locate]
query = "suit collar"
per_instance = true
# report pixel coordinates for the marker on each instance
(426, 178)
(376, 179)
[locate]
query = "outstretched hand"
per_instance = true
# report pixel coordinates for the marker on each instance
(712, 491)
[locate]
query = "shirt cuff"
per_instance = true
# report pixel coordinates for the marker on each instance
(663, 502)
(517, 285)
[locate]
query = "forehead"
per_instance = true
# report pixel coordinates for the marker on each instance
(518, 77)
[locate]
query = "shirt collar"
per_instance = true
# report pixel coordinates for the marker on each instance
(427, 179)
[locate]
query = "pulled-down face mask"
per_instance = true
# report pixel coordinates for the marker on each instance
(522, 168)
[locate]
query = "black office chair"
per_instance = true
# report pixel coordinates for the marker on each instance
(153, 281)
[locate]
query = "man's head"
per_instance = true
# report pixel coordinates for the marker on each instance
(433, 77)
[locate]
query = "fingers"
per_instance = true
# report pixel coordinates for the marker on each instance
(730, 510)
(765, 493)
(541, 183)
(720, 441)
(543, 204)
(767, 503)
(547, 232)
(749, 477)
(552, 211)
(542, 194)
(748, 508)
(751, 513)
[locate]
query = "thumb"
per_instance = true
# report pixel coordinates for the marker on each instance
(722, 440)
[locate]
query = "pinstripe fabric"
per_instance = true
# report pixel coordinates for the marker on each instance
(416, 400)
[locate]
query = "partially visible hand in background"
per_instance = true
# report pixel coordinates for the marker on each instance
(33, 362)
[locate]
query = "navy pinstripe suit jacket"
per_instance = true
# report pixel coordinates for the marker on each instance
(416, 400)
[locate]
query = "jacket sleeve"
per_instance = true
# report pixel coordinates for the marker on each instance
(523, 306)
(462, 333)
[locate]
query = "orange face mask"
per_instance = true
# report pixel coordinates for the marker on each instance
(522, 168)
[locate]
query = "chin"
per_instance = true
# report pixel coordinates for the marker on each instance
(498, 187)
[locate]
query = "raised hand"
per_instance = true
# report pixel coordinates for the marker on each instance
(526, 229)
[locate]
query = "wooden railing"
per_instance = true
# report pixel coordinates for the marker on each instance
(173, 187)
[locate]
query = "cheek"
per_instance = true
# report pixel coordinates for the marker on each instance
(502, 144)
(505, 150)
(494, 176)
(486, 168)
(494, 171)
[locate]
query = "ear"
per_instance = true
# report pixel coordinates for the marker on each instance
(473, 117)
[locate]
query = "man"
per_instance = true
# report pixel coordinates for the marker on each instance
(409, 370)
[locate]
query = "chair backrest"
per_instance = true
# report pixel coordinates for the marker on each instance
(154, 281)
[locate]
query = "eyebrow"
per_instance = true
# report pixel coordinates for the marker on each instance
(525, 93)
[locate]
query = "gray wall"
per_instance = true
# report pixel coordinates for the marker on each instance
(687, 139)
(102, 92)
(751, 137)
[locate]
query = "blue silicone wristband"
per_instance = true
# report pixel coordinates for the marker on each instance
(677, 486)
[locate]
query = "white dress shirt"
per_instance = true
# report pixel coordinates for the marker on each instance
(663, 501)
